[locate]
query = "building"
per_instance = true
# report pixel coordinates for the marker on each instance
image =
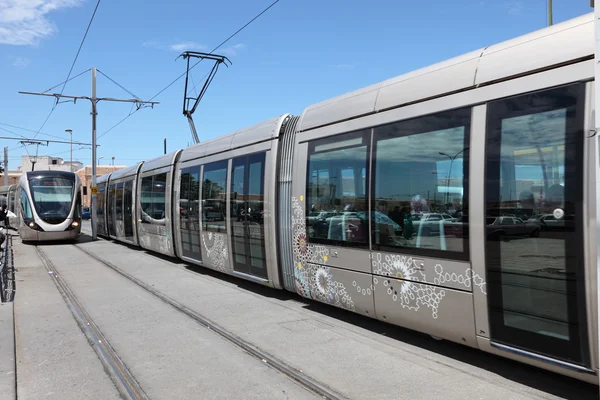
(85, 174)
(13, 177)
(48, 163)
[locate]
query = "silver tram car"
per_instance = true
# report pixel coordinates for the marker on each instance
(46, 205)
(459, 200)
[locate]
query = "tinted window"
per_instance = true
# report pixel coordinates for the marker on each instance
(336, 195)
(119, 202)
(420, 169)
(52, 197)
(25, 206)
(154, 199)
(214, 192)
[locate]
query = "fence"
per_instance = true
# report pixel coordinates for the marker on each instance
(7, 270)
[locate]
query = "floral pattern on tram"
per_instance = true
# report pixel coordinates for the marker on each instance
(216, 250)
(314, 280)
(413, 294)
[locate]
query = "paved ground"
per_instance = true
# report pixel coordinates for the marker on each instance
(172, 356)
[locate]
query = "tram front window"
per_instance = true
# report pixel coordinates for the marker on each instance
(52, 197)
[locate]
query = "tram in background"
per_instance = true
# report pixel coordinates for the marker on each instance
(46, 205)
(457, 200)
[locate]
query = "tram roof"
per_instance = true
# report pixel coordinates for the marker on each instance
(562, 43)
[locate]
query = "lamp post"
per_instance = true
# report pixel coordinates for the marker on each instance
(450, 171)
(70, 132)
(100, 158)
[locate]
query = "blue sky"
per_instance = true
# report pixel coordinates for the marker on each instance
(296, 54)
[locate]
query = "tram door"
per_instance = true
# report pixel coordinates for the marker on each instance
(534, 223)
(246, 215)
(128, 209)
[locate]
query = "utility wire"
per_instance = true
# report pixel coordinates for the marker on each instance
(71, 69)
(76, 76)
(29, 130)
(80, 46)
(198, 62)
(119, 85)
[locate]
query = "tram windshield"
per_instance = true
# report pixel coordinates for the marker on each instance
(52, 197)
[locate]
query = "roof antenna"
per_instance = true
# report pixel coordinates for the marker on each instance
(187, 111)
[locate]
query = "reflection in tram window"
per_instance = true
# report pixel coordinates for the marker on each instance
(420, 194)
(153, 199)
(534, 232)
(336, 190)
(214, 192)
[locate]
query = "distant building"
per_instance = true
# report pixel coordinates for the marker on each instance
(85, 174)
(48, 163)
(13, 177)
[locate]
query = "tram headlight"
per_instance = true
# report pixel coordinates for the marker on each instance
(32, 225)
(75, 224)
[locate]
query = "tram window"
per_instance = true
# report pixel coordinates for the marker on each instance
(119, 201)
(153, 199)
(100, 200)
(420, 167)
(25, 206)
(336, 195)
(214, 192)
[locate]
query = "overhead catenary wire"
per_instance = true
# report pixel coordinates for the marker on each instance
(72, 66)
(29, 130)
(119, 85)
(199, 61)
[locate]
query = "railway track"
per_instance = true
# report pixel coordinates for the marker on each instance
(118, 372)
(113, 365)
(260, 355)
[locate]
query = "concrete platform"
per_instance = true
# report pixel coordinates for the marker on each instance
(7, 353)
(172, 356)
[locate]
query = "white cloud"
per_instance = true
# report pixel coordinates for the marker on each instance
(187, 46)
(515, 7)
(20, 62)
(25, 22)
(342, 66)
(180, 46)
(232, 50)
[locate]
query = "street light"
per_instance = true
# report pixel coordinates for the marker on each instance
(450, 171)
(100, 158)
(70, 132)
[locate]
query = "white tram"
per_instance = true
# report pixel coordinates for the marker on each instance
(457, 200)
(46, 205)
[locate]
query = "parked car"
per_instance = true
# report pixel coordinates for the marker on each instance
(85, 213)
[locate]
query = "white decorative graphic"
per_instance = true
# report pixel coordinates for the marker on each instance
(313, 279)
(406, 282)
(409, 285)
(216, 250)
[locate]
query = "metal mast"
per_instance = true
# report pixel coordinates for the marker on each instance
(94, 100)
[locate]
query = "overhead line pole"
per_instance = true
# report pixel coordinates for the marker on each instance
(597, 138)
(94, 100)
